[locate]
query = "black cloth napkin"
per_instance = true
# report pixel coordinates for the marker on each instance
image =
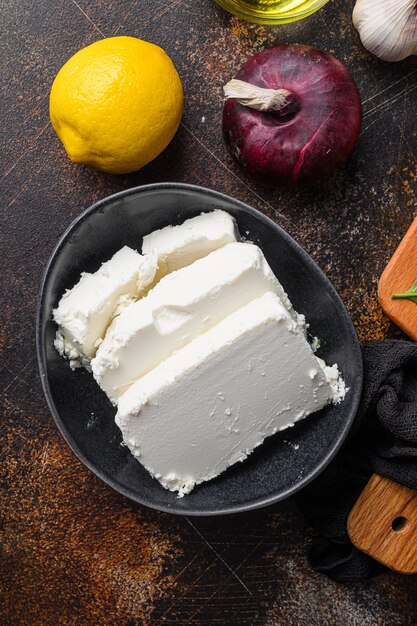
(383, 439)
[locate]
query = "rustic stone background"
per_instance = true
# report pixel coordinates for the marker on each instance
(73, 552)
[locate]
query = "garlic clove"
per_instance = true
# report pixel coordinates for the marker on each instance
(387, 28)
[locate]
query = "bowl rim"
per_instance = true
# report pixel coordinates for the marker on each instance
(42, 360)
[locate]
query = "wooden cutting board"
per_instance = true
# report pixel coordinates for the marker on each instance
(398, 276)
(383, 522)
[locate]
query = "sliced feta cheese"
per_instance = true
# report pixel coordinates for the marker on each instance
(179, 246)
(85, 311)
(183, 304)
(212, 402)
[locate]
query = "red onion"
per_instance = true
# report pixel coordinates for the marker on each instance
(306, 129)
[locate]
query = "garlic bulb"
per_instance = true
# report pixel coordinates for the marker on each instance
(387, 28)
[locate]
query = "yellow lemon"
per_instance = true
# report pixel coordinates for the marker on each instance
(116, 104)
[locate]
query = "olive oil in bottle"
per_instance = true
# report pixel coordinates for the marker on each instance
(272, 11)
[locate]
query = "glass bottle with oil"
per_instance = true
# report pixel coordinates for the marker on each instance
(272, 11)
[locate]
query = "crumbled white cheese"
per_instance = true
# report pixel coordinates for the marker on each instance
(65, 348)
(183, 305)
(179, 246)
(208, 405)
(85, 311)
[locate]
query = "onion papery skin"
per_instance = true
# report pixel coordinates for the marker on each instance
(315, 137)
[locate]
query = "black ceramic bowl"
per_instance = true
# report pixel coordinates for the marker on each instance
(285, 462)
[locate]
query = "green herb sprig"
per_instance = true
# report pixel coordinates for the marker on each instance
(410, 294)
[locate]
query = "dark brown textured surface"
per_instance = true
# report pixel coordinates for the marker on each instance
(72, 551)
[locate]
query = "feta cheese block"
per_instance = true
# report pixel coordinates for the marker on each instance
(179, 246)
(85, 311)
(211, 403)
(183, 305)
